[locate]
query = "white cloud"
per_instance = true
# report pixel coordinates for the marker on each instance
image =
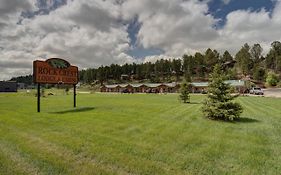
(154, 58)
(90, 33)
(173, 25)
(87, 33)
(252, 27)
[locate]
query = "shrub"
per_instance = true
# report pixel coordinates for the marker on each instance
(219, 104)
(66, 90)
(184, 92)
(279, 84)
(259, 74)
(272, 79)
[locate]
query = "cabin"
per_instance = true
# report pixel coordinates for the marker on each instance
(199, 87)
(8, 86)
(142, 88)
(196, 87)
(110, 88)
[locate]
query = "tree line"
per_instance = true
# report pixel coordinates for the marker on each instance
(248, 61)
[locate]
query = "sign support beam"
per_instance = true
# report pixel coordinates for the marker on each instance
(38, 97)
(74, 95)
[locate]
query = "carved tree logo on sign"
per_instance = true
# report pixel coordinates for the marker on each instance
(58, 63)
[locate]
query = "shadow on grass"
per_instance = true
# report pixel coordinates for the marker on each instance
(246, 120)
(195, 103)
(81, 109)
(241, 120)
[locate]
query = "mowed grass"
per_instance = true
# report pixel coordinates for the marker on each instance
(136, 134)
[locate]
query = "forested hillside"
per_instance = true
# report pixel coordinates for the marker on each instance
(247, 62)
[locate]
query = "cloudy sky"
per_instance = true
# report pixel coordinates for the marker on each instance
(90, 33)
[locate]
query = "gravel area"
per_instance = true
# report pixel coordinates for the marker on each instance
(272, 92)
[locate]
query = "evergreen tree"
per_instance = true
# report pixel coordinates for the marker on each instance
(211, 58)
(256, 52)
(184, 92)
(258, 73)
(187, 76)
(243, 58)
(188, 64)
(200, 64)
(28, 79)
(219, 105)
(176, 66)
(270, 59)
(226, 57)
(273, 58)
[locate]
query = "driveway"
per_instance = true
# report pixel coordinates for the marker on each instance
(272, 92)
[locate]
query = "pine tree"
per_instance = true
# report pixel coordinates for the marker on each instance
(184, 92)
(219, 105)
(243, 58)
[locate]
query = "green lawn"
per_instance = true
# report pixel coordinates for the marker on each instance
(136, 134)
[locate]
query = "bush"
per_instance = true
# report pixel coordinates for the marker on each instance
(66, 90)
(272, 79)
(259, 74)
(184, 92)
(219, 105)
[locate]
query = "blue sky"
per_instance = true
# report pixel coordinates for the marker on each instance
(220, 10)
(91, 33)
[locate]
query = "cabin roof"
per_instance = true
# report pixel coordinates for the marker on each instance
(230, 82)
(174, 84)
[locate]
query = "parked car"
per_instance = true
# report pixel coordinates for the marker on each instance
(256, 91)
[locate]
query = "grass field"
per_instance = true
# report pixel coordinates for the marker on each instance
(136, 134)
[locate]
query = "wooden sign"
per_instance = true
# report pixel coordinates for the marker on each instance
(54, 71)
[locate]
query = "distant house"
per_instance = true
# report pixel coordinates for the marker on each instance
(239, 85)
(142, 88)
(200, 87)
(8, 86)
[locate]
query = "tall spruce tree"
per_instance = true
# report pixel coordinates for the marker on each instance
(219, 104)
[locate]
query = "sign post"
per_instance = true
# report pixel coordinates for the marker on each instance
(54, 71)
(74, 95)
(38, 97)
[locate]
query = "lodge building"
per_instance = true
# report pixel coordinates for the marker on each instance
(142, 88)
